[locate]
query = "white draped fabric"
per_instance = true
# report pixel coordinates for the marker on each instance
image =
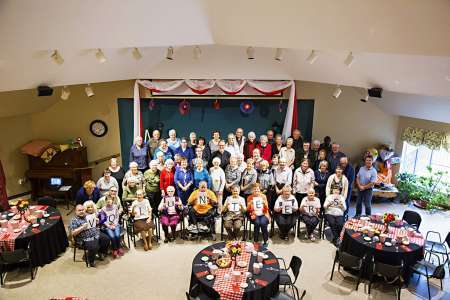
(229, 87)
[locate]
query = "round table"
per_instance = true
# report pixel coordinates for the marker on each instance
(353, 242)
(254, 291)
(47, 244)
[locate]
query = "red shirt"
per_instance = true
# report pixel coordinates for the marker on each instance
(266, 152)
(248, 149)
(166, 179)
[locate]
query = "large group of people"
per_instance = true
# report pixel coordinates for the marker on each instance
(237, 178)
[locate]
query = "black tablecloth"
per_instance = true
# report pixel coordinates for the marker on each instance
(49, 243)
(389, 255)
(256, 292)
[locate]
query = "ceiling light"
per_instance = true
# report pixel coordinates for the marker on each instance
(197, 52)
(169, 54)
(136, 54)
(349, 60)
(337, 92)
(312, 57)
(365, 99)
(57, 58)
(278, 54)
(89, 91)
(65, 93)
(250, 53)
(100, 56)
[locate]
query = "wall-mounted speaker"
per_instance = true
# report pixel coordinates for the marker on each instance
(375, 92)
(44, 90)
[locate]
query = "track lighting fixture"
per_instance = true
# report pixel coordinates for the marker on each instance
(349, 60)
(250, 53)
(337, 92)
(89, 91)
(57, 58)
(278, 54)
(100, 56)
(312, 57)
(197, 52)
(136, 54)
(169, 54)
(65, 93)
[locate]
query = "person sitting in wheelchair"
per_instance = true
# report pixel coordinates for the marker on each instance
(203, 203)
(170, 210)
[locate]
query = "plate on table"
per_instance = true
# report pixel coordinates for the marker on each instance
(388, 244)
(11, 214)
(241, 264)
(16, 217)
(367, 238)
(406, 243)
(17, 230)
(205, 258)
(35, 225)
(244, 285)
(209, 277)
(46, 215)
(265, 256)
(365, 218)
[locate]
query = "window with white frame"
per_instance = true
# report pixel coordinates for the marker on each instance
(416, 159)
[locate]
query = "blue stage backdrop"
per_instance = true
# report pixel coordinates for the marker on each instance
(203, 118)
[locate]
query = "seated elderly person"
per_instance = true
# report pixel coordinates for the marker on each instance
(233, 213)
(85, 232)
(258, 211)
(310, 210)
(106, 182)
(170, 210)
(285, 209)
(143, 224)
(334, 213)
(202, 201)
(134, 173)
(112, 194)
(129, 192)
(88, 191)
(109, 218)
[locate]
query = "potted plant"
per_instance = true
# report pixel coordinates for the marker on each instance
(428, 191)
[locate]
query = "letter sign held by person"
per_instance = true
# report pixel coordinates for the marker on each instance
(91, 220)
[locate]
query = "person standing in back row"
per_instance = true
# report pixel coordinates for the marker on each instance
(365, 181)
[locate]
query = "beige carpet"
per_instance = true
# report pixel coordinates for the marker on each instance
(164, 272)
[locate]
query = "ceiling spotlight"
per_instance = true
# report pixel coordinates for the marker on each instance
(312, 57)
(197, 52)
(447, 77)
(337, 92)
(251, 53)
(349, 60)
(169, 54)
(136, 54)
(278, 54)
(89, 91)
(57, 58)
(365, 99)
(100, 56)
(65, 93)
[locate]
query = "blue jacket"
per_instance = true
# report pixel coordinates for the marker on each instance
(201, 176)
(349, 172)
(139, 156)
(82, 196)
(168, 154)
(182, 177)
(188, 153)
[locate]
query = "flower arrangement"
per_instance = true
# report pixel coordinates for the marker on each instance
(389, 217)
(21, 204)
(234, 248)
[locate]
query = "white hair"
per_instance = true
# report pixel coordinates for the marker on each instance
(316, 142)
(133, 164)
(166, 163)
(88, 203)
(172, 131)
(263, 137)
(153, 163)
(251, 133)
(216, 159)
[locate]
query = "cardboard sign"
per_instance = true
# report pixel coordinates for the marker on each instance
(258, 205)
(234, 205)
(111, 216)
(171, 205)
(202, 198)
(91, 220)
(286, 207)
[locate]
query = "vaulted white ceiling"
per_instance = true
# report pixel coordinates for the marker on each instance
(402, 46)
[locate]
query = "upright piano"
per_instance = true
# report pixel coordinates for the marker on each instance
(70, 165)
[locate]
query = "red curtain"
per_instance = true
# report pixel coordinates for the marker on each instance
(3, 197)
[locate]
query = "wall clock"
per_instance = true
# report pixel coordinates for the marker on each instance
(98, 128)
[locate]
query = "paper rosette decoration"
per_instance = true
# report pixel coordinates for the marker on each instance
(184, 107)
(247, 107)
(216, 104)
(151, 104)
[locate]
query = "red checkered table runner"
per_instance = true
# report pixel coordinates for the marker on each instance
(356, 224)
(228, 288)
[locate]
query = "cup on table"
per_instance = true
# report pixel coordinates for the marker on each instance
(14, 224)
(236, 275)
(260, 257)
(213, 269)
(256, 268)
(4, 223)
